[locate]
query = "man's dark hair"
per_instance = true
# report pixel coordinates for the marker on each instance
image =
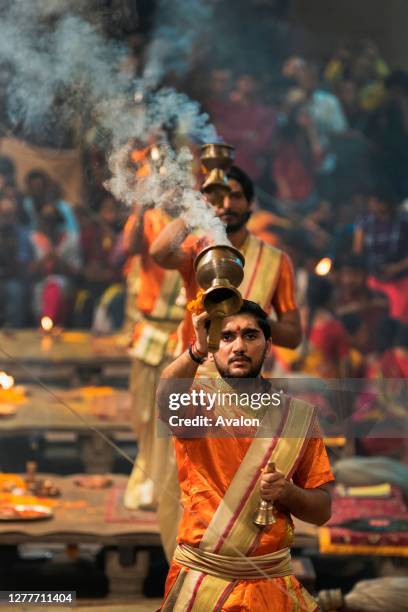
(253, 309)
(236, 174)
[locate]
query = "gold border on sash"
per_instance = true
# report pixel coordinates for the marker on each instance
(258, 267)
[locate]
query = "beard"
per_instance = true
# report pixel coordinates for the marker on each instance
(237, 222)
(253, 372)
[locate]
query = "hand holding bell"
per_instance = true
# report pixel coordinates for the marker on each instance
(265, 514)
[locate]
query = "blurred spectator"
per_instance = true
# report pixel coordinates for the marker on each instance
(101, 282)
(380, 237)
(218, 94)
(382, 402)
(347, 92)
(391, 352)
(370, 89)
(323, 106)
(96, 173)
(298, 156)
(338, 66)
(56, 265)
(326, 347)
(249, 125)
(15, 257)
(354, 296)
(364, 68)
(8, 186)
(41, 190)
(388, 129)
(7, 172)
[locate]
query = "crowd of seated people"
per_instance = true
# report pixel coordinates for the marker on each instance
(56, 260)
(326, 145)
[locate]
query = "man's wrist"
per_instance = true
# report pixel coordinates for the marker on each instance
(195, 355)
(201, 351)
(286, 493)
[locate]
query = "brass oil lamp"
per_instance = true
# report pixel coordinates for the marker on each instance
(216, 159)
(219, 271)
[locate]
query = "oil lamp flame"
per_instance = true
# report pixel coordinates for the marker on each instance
(6, 381)
(155, 153)
(47, 324)
(323, 267)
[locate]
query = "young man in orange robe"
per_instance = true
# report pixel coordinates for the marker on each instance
(223, 560)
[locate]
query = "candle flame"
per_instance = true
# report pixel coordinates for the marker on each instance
(6, 381)
(47, 323)
(324, 266)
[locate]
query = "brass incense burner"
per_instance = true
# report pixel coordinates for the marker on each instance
(219, 271)
(216, 159)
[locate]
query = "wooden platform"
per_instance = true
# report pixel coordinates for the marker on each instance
(86, 515)
(63, 356)
(74, 410)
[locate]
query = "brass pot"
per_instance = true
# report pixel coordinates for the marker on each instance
(219, 271)
(217, 155)
(216, 159)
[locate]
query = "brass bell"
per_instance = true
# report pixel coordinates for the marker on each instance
(265, 514)
(219, 271)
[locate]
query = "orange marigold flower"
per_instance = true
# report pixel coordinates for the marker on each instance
(196, 306)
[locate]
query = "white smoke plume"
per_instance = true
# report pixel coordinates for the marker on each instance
(68, 60)
(171, 186)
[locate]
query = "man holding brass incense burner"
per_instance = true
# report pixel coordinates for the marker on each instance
(228, 556)
(268, 274)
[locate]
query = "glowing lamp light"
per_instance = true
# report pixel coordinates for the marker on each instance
(6, 381)
(155, 153)
(324, 266)
(47, 324)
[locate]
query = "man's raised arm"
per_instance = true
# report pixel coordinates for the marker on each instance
(179, 375)
(166, 249)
